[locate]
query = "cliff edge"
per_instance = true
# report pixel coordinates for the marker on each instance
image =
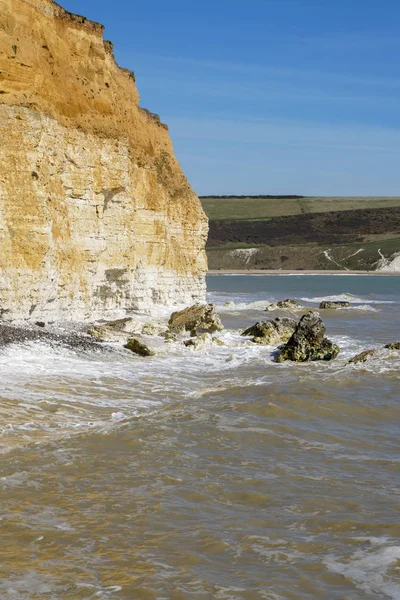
(96, 216)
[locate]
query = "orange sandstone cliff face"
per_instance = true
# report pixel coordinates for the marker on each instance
(96, 216)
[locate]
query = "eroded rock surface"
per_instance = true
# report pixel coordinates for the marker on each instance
(115, 330)
(138, 347)
(393, 346)
(96, 216)
(334, 304)
(197, 319)
(362, 357)
(271, 332)
(287, 304)
(308, 342)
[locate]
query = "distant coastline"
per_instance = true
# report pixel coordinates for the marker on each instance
(291, 272)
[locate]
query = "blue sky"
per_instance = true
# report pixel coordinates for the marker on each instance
(268, 96)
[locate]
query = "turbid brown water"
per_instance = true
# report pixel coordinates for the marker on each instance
(209, 474)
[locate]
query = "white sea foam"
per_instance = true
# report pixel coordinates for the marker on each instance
(346, 298)
(49, 392)
(242, 306)
(372, 568)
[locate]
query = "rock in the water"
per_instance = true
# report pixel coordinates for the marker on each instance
(115, 330)
(152, 329)
(308, 342)
(97, 332)
(198, 319)
(335, 304)
(138, 347)
(362, 357)
(271, 332)
(128, 324)
(203, 341)
(393, 346)
(200, 342)
(287, 304)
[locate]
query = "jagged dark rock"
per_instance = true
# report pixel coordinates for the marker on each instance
(393, 346)
(334, 304)
(362, 357)
(138, 347)
(198, 319)
(271, 332)
(308, 342)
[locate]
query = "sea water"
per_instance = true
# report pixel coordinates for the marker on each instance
(211, 474)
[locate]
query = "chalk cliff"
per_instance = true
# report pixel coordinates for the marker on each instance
(96, 216)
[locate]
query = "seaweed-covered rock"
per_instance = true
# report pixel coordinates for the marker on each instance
(362, 357)
(393, 346)
(287, 304)
(198, 319)
(271, 332)
(137, 347)
(308, 342)
(335, 304)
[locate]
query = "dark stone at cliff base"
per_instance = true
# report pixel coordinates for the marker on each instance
(335, 304)
(393, 346)
(138, 347)
(362, 357)
(308, 342)
(198, 319)
(271, 332)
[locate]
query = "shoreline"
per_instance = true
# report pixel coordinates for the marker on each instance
(291, 272)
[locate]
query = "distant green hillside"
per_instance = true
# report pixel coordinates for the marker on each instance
(242, 208)
(296, 233)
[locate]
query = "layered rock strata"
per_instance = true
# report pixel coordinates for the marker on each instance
(96, 216)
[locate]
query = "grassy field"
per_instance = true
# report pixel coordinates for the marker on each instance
(245, 209)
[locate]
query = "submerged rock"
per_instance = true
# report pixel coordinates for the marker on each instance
(287, 304)
(271, 332)
(308, 342)
(335, 304)
(136, 346)
(152, 329)
(198, 319)
(362, 357)
(202, 341)
(393, 346)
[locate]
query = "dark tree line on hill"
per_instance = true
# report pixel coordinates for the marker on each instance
(322, 228)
